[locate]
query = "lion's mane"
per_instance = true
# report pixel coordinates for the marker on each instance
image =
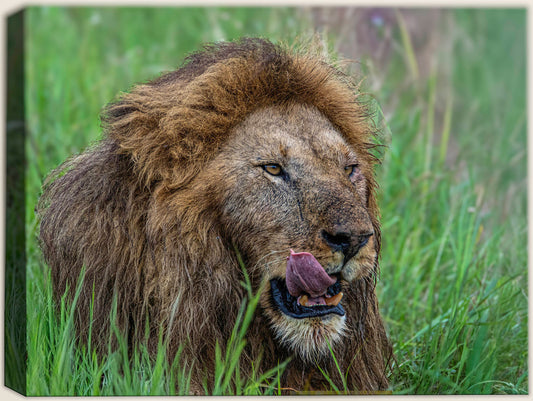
(129, 214)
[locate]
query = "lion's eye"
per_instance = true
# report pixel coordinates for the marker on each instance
(273, 169)
(349, 170)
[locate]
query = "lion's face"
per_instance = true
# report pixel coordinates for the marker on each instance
(293, 198)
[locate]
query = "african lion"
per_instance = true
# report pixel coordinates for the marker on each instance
(250, 148)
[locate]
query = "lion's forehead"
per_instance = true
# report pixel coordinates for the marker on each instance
(292, 133)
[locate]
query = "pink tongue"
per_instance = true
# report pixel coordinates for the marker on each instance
(305, 274)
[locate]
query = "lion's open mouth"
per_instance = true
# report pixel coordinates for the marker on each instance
(289, 305)
(307, 291)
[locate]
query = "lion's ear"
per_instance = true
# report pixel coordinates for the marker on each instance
(133, 123)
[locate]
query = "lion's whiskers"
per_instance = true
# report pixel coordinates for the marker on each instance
(275, 261)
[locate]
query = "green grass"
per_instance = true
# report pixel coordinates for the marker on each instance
(453, 287)
(454, 266)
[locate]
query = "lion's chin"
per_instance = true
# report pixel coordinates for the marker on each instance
(309, 332)
(312, 339)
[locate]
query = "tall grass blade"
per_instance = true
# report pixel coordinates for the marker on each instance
(446, 128)
(407, 46)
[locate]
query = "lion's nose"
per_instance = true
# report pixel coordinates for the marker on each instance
(346, 242)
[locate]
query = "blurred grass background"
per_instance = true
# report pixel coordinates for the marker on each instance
(452, 87)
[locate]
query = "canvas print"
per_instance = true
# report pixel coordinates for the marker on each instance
(266, 201)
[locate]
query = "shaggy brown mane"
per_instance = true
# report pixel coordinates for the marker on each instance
(147, 233)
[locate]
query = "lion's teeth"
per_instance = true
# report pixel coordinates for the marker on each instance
(303, 300)
(330, 301)
(334, 300)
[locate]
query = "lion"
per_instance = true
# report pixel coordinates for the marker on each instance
(248, 150)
